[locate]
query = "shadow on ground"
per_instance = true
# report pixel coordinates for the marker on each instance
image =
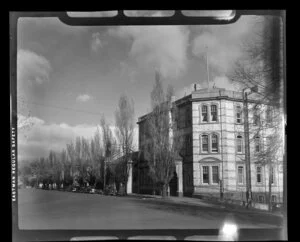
(247, 216)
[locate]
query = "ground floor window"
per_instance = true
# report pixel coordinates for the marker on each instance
(261, 198)
(215, 174)
(205, 174)
(274, 198)
(240, 174)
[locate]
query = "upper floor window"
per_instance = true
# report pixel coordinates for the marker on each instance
(257, 144)
(272, 175)
(239, 114)
(204, 114)
(269, 114)
(274, 198)
(258, 174)
(239, 144)
(214, 113)
(188, 117)
(256, 117)
(204, 143)
(188, 143)
(214, 143)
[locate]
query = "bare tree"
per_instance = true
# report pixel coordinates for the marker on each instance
(164, 144)
(262, 66)
(110, 149)
(124, 119)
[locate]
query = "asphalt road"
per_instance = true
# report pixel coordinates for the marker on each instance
(43, 209)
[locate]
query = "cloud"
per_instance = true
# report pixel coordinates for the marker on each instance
(224, 82)
(32, 68)
(37, 140)
(127, 71)
(96, 42)
(42, 137)
(83, 98)
(157, 47)
(223, 43)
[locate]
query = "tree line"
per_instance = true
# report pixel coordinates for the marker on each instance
(88, 162)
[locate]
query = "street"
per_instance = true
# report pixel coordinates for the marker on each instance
(44, 209)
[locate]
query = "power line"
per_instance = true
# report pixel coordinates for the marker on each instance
(62, 108)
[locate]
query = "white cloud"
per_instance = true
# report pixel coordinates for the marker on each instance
(96, 42)
(224, 82)
(37, 140)
(41, 137)
(32, 68)
(223, 43)
(157, 47)
(83, 98)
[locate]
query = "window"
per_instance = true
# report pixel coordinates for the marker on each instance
(188, 142)
(239, 144)
(214, 113)
(239, 114)
(215, 174)
(274, 199)
(205, 174)
(214, 143)
(258, 174)
(256, 117)
(182, 118)
(240, 174)
(204, 143)
(272, 175)
(257, 144)
(261, 198)
(204, 114)
(188, 117)
(269, 114)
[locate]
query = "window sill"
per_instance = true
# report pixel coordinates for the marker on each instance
(209, 153)
(215, 122)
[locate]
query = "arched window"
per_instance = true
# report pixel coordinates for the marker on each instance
(239, 144)
(204, 113)
(214, 113)
(214, 143)
(239, 114)
(204, 143)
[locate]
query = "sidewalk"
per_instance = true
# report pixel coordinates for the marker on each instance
(206, 203)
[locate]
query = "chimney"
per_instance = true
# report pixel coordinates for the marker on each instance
(173, 99)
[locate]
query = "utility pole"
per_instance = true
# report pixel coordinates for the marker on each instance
(247, 148)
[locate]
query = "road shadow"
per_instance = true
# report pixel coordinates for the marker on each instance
(217, 213)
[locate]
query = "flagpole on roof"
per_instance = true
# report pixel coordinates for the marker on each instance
(207, 68)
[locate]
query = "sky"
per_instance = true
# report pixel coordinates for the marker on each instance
(68, 76)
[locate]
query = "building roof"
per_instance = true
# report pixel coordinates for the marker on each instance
(209, 94)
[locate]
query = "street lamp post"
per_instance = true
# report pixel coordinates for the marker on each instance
(247, 145)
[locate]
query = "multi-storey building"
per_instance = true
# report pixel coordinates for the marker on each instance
(213, 164)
